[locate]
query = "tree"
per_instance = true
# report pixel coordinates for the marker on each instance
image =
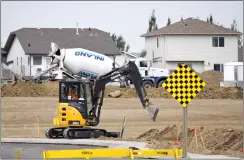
(127, 48)
(235, 28)
(152, 23)
(114, 37)
(169, 22)
(211, 19)
(120, 42)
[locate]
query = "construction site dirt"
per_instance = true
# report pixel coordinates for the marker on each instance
(220, 121)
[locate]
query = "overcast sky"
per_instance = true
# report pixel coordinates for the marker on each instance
(129, 19)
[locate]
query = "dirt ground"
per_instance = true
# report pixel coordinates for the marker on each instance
(20, 116)
(211, 91)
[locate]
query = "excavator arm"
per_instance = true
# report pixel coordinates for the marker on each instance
(131, 70)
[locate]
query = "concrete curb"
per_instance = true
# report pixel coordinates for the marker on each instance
(88, 142)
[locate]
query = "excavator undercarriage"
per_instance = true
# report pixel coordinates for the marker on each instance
(76, 118)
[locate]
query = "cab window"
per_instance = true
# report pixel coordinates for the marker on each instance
(88, 97)
(71, 92)
(143, 63)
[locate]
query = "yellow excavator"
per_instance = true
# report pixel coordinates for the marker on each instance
(81, 100)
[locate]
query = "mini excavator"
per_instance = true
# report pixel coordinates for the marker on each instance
(79, 114)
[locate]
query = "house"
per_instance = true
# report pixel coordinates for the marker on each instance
(27, 48)
(240, 54)
(201, 45)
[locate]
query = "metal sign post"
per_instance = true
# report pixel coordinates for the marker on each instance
(184, 84)
(185, 135)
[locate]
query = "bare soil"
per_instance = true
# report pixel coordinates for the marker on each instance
(220, 121)
(211, 91)
(50, 89)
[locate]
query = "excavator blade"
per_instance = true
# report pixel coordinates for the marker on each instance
(152, 111)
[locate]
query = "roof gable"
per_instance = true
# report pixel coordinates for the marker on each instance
(37, 40)
(191, 26)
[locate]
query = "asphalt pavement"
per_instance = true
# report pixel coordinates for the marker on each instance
(33, 151)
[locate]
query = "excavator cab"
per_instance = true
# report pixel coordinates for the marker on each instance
(74, 103)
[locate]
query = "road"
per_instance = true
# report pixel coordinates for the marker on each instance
(34, 151)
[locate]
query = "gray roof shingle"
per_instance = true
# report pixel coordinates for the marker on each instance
(37, 40)
(191, 26)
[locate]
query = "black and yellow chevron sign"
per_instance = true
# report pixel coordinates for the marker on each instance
(184, 84)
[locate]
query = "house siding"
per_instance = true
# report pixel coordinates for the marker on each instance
(15, 54)
(154, 52)
(120, 59)
(193, 49)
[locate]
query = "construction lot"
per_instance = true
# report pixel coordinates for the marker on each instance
(20, 116)
(217, 112)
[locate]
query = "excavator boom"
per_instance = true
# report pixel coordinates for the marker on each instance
(131, 70)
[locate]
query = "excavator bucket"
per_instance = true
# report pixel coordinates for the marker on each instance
(137, 81)
(152, 111)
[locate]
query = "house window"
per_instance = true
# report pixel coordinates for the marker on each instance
(157, 43)
(221, 42)
(28, 60)
(215, 41)
(218, 67)
(37, 60)
(218, 41)
(48, 61)
(4, 59)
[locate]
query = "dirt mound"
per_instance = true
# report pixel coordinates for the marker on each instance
(212, 78)
(29, 89)
(211, 91)
(149, 134)
(202, 140)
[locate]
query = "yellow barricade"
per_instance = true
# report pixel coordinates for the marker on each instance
(110, 153)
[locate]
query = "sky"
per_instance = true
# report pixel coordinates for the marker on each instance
(129, 19)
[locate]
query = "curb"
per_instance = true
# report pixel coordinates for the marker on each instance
(88, 142)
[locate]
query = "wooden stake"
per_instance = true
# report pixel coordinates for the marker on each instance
(200, 133)
(196, 137)
(38, 128)
(178, 131)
